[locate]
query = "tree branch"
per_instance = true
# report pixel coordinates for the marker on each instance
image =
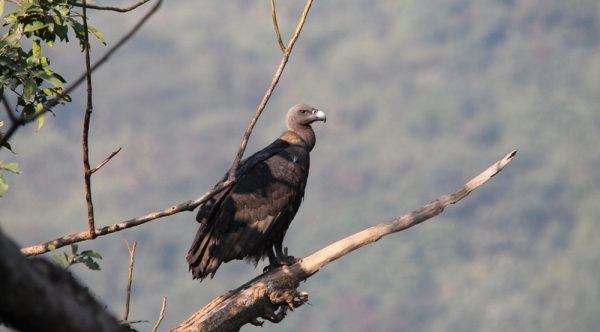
(131, 250)
(274, 15)
(276, 290)
(114, 153)
(85, 235)
(54, 101)
(161, 315)
(87, 174)
(115, 9)
(268, 93)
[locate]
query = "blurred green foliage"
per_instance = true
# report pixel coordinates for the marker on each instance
(85, 257)
(420, 96)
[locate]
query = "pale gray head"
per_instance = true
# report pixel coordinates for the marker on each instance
(302, 115)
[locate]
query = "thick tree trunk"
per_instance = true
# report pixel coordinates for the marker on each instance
(36, 295)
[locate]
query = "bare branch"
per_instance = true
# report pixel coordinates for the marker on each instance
(268, 93)
(131, 250)
(274, 15)
(85, 235)
(114, 153)
(161, 315)
(260, 297)
(115, 9)
(54, 101)
(87, 174)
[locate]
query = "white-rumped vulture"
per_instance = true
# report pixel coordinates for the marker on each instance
(249, 219)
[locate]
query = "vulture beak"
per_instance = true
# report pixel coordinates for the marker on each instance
(319, 115)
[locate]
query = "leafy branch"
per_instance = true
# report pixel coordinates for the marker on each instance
(85, 257)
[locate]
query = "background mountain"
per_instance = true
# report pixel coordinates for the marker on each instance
(419, 95)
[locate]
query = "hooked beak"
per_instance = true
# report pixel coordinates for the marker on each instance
(319, 115)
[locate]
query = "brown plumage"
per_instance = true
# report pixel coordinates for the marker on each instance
(249, 220)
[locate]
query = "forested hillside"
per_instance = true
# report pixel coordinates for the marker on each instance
(419, 95)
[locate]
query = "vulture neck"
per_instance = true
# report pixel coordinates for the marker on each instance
(300, 135)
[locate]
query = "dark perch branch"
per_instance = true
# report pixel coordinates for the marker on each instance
(268, 93)
(54, 101)
(85, 235)
(276, 290)
(111, 8)
(87, 174)
(40, 289)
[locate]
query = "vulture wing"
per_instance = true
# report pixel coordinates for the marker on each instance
(252, 216)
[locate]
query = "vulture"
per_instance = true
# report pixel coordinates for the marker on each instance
(249, 219)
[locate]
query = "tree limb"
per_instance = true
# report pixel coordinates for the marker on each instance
(85, 235)
(37, 295)
(114, 153)
(276, 26)
(111, 8)
(131, 250)
(87, 173)
(276, 290)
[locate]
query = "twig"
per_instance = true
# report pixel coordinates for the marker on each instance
(274, 15)
(277, 288)
(115, 9)
(268, 93)
(161, 315)
(54, 101)
(87, 174)
(114, 153)
(131, 250)
(85, 235)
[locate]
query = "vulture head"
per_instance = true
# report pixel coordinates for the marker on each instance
(302, 115)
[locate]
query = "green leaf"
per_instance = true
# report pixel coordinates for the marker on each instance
(74, 248)
(29, 88)
(91, 253)
(3, 185)
(36, 49)
(1, 7)
(97, 33)
(91, 264)
(41, 119)
(36, 25)
(11, 167)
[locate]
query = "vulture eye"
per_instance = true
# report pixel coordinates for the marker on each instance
(303, 111)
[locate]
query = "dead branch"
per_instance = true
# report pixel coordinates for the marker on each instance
(85, 235)
(37, 288)
(270, 295)
(131, 250)
(161, 316)
(276, 25)
(114, 153)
